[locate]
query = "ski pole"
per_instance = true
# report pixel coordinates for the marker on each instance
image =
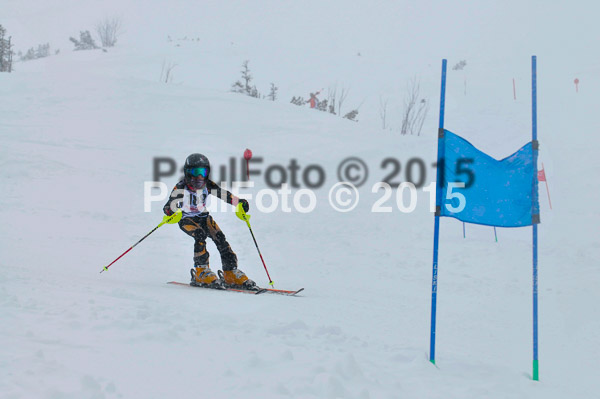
(174, 218)
(246, 218)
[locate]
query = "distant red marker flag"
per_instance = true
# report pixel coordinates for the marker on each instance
(576, 81)
(542, 177)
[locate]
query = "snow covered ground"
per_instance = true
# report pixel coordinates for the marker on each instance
(79, 132)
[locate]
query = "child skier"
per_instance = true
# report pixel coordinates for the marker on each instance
(190, 195)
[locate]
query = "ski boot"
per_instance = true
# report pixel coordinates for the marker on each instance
(204, 277)
(237, 279)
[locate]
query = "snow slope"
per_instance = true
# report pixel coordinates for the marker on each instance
(79, 132)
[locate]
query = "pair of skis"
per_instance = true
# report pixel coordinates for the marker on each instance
(244, 291)
(176, 217)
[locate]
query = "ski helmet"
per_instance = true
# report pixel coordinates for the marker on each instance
(196, 165)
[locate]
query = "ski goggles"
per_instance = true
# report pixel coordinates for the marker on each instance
(197, 172)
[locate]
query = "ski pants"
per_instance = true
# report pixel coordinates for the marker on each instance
(201, 227)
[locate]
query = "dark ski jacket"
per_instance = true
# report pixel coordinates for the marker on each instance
(193, 203)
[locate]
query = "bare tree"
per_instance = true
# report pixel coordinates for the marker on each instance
(352, 115)
(85, 42)
(342, 98)
(331, 97)
(298, 100)
(238, 87)
(322, 105)
(6, 52)
(383, 111)
(254, 92)
(415, 109)
(109, 29)
(335, 102)
(273, 93)
(3, 50)
(43, 50)
(243, 86)
(246, 77)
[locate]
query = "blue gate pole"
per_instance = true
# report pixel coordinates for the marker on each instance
(438, 204)
(535, 215)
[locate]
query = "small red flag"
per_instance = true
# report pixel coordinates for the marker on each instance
(541, 175)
